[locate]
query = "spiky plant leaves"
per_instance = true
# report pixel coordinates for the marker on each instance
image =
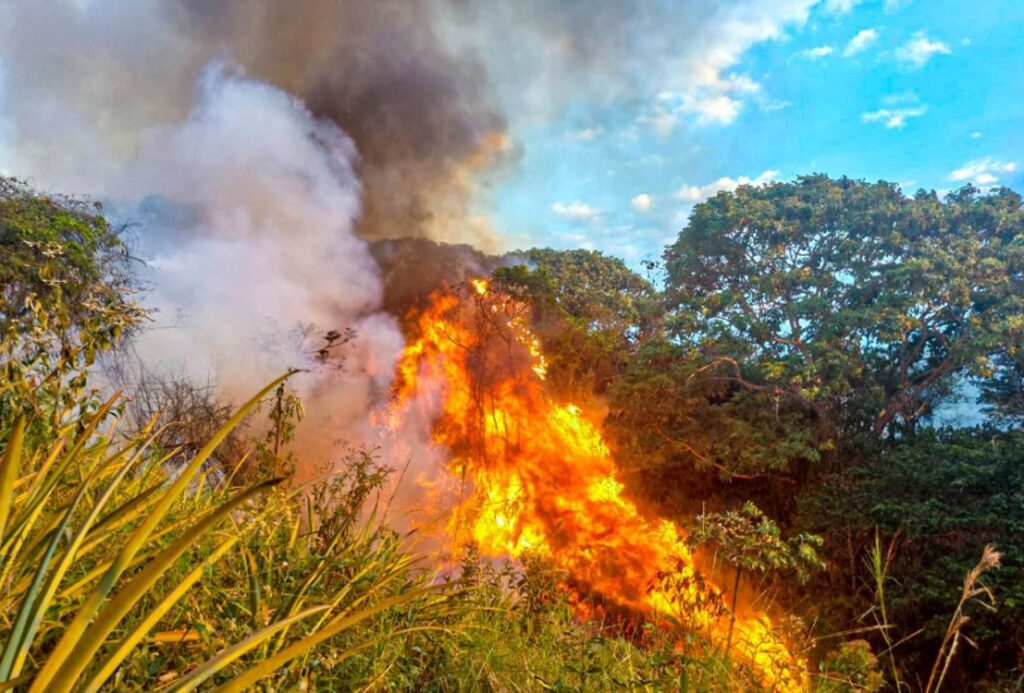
(68, 660)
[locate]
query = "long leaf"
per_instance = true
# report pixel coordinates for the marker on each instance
(140, 584)
(37, 601)
(334, 627)
(224, 658)
(152, 617)
(38, 497)
(61, 670)
(12, 544)
(9, 471)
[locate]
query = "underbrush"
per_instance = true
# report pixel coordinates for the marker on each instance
(126, 567)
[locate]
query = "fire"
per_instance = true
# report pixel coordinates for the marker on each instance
(539, 478)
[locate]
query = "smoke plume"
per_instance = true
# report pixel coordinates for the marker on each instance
(247, 210)
(260, 145)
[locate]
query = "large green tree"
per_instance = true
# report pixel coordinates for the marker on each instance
(860, 304)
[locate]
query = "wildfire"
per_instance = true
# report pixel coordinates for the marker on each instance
(539, 478)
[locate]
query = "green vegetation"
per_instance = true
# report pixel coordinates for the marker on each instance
(135, 556)
(806, 337)
(809, 335)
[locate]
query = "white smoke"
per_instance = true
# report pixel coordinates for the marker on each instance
(244, 213)
(247, 210)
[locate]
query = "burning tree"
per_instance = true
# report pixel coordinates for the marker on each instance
(539, 478)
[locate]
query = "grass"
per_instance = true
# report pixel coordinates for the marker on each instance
(128, 566)
(119, 567)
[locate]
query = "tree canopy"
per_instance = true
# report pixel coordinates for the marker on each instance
(850, 298)
(65, 293)
(590, 310)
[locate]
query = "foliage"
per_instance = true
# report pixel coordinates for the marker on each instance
(175, 577)
(848, 298)
(850, 668)
(590, 311)
(196, 583)
(680, 432)
(523, 634)
(940, 497)
(749, 541)
(1003, 393)
(65, 296)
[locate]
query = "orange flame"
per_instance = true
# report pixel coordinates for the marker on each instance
(541, 479)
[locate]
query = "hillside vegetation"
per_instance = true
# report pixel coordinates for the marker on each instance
(824, 377)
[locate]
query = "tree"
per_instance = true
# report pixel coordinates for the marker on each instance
(939, 498)
(665, 411)
(590, 311)
(1003, 392)
(749, 541)
(65, 296)
(858, 303)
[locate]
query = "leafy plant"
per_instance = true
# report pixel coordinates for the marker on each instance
(751, 542)
(100, 540)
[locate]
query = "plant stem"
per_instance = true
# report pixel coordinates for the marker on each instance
(732, 614)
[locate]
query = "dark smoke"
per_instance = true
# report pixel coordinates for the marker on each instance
(263, 144)
(420, 116)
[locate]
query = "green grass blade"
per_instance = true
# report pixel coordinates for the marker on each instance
(152, 617)
(36, 601)
(61, 669)
(41, 493)
(335, 626)
(231, 654)
(9, 471)
(126, 598)
(11, 544)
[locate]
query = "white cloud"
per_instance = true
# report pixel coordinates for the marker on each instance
(890, 6)
(709, 109)
(642, 202)
(860, 42)
(720, 109)
(585, 134)
(893, 118)
(983, 172)
(816, 53)
(697, 193)
(975, 135)
(699, 78)
(840, 6)
(920, 49)
(578, 211)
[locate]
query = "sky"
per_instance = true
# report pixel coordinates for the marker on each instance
(560, 123)
(265, 144)
(925, 94)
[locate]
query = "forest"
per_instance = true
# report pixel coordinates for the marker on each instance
(817, 391)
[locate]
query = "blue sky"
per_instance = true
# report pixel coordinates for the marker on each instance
(926, 94)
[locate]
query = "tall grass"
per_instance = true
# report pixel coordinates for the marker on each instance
(127, 566)
(119, 567)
